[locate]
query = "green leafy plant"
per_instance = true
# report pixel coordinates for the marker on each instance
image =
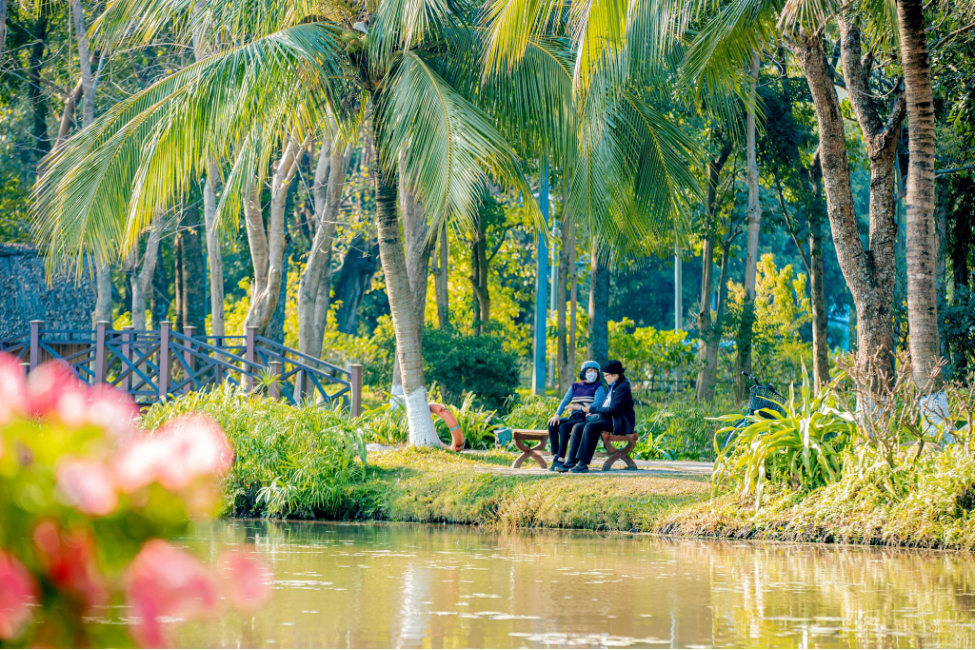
(530, 411)
(289, 461)
(800, 448)
(477, 425)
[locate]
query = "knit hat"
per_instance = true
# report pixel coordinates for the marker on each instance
(587, 365)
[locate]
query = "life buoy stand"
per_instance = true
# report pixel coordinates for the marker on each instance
(457, 439)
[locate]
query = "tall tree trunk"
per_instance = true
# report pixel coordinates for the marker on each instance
(327, 189)
(406, 328)
(202, 48)
(193, 309)
(744, 337)
(600, 280)
(34, 92)
(870, 274)
(572, 338)
(103, 277)
(276, 326)
(3, 26)
(353, 280)
(924, 330)
(441, 281)
(268, 248)
(159, 298)
(68, 113)
(709, 331)
(142, 282)
(479, 278)
(418, 247)
(819, 315)
(564, 362)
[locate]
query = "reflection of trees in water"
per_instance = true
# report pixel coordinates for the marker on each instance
(404, 585)
(860, 597)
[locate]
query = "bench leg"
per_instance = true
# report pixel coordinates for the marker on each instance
(529, 452)
(624, 453)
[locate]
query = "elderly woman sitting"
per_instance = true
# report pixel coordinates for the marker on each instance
(581, 395)
(614, 413)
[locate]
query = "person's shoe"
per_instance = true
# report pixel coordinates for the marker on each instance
(580, 468)
(560, 467)
(557, 463)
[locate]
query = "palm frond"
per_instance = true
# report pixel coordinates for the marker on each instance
(141, 156)
(444, 142)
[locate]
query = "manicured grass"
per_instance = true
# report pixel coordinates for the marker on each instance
(437, 487)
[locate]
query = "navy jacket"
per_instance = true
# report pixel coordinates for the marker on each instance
(621, 408)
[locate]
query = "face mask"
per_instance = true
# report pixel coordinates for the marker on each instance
(591, 376)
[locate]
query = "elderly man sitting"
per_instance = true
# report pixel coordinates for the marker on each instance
(614, 414)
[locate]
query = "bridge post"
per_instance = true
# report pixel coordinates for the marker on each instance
(189, 331)
(127, 381)
(164, 359)
(355, 390)
(35, 343)
(249, 334)
(99, 372)
(274, 390)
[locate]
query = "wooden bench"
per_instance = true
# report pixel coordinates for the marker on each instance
(523, 437)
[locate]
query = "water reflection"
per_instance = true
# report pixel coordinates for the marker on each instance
(423, 586)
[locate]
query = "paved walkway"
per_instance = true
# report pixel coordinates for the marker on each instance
(659, 467)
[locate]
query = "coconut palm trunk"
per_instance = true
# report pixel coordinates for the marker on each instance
(406, 328)
(142, 283)
(924, 333)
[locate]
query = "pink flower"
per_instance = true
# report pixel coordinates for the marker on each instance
(175, 455)
(13, 389)
(88, 485)
(49, 385)
(17, 596)
(246, 579)
(68, 559)
(112, 410)
(164, 581)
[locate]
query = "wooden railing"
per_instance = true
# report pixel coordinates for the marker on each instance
(153, 364)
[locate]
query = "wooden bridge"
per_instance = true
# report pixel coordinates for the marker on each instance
(151, 365)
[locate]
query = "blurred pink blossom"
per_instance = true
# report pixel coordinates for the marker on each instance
(88, 485)
(13, 389)
(112, 410)
(165, 581)
(246, 579)
(18, 594)
(175, 455)
(54, 391)
(68, 559)
(49, 385)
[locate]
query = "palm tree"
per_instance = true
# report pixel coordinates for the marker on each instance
(411, 69)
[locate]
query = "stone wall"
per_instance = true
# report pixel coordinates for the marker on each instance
(25, 295)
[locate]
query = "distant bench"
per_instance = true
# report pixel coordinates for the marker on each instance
(522, 437)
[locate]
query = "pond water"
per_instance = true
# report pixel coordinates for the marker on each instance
(390, 585)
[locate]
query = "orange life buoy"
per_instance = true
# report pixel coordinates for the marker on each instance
(457, 439)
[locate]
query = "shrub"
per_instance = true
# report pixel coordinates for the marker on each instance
(385, 424)
(530, 411)
(799, 448)
(651, 356)
(87, 503)
(478, 426)
(290, 461)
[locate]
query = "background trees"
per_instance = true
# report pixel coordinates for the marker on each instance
(359, 136)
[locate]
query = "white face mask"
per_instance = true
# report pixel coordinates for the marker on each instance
(591, 376)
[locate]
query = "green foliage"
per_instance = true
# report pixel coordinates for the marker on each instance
(781, 310)
(289, 461)
(800, 448)
(649, 355)
(677, 427)
(531, 411)
(458, 363)
(385, 424)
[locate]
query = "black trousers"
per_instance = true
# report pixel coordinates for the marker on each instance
(584, 439)
(560, 434)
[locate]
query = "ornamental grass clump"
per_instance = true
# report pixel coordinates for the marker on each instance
(87, 504)
(289, 461)
(800, 448)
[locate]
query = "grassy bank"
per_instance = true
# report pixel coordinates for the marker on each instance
(311, 463)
